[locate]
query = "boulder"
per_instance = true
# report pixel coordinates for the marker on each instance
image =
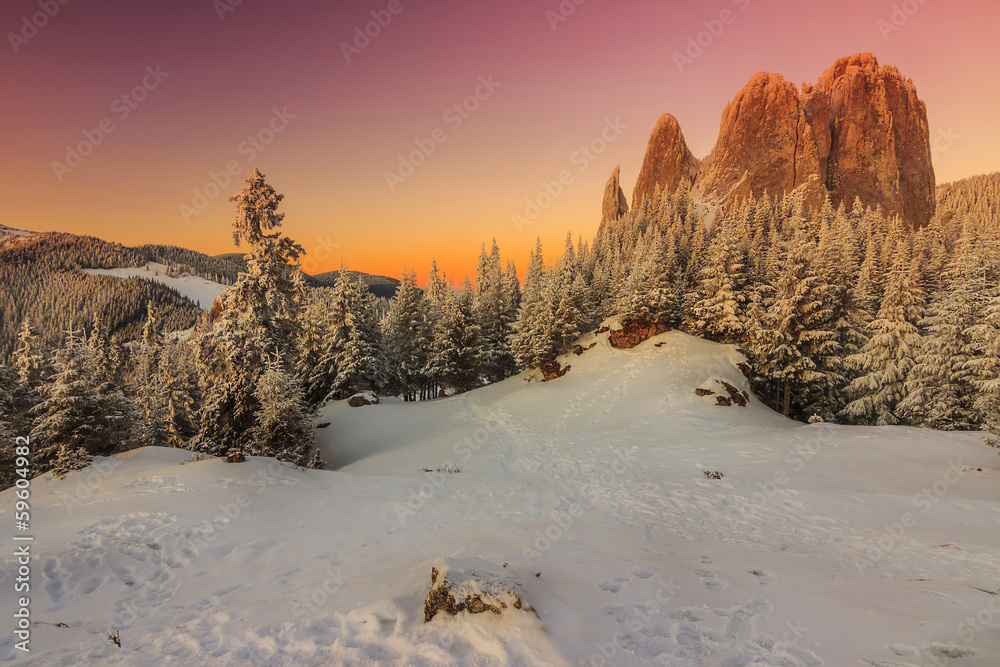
(552, 370)
(363, 398)
(473, 586)
(634, 332)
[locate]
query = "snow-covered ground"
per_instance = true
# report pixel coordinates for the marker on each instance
(196, 289)
(820, 545)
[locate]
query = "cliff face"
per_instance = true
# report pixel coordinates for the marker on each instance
(861, 131)
(615, 205)
(880, 148)
(667, 163)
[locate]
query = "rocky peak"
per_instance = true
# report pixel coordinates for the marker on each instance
(615, 205)
(667, 163)
(861, 131)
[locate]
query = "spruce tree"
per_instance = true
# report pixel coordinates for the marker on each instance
(718, 313)
(887, 358)
(404, 332)
(259, 317)
(75, 420)
(282, 428)
(940, 387)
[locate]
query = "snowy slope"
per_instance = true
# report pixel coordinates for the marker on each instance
(194, 288)
(594, 482)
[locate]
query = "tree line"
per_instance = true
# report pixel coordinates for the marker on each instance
(844, 315)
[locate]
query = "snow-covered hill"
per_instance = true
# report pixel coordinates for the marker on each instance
(820, 545)
(6, 231)
(198, 290)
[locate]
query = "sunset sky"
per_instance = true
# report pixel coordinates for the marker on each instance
(213, 74)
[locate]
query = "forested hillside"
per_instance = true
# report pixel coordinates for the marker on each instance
(40, 281)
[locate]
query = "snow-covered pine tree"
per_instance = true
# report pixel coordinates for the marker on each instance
(151, 425)
(649, 293)
(531, 339)
(567, 293)
(455, 348)
(177, 380)
(789, 344)
(889, 355)
(314, 328)
(403, 332)
(718, 312)
(75, 421)
(492, 316)
(339, 321)
(940, 393)
(283, 428)
(361, 364)
(260, 313)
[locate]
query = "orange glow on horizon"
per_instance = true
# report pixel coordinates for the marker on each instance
(492, 99)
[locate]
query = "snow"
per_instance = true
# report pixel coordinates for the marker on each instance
(194, 288)
(817, 546)
(6, 231)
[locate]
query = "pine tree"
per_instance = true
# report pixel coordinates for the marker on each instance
(404, 332)
(151, 426)
(718, 314)
(789, 344)
(259, 316)
(455, 349)
(282, 429)
(888, 357)
(940, 390)
(360, 365)
(75, 421)
(532, 339)
(178, 385)
(492, 315)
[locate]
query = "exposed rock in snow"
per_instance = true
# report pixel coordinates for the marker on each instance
(722, 392)
(361, 399)
(633, 332)
(472, 585)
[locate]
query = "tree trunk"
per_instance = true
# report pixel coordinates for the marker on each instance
(788, 398)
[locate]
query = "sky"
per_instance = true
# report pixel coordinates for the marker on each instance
(402, 131)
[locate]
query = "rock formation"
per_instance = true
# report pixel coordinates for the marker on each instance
(615, 205)
(667, 163)
(880, 149)
(861, 131)
(473, 586)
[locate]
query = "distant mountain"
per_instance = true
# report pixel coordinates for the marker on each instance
(382, 286)
(41, 279)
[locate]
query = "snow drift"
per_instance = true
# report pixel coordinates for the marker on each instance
(821, 545)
